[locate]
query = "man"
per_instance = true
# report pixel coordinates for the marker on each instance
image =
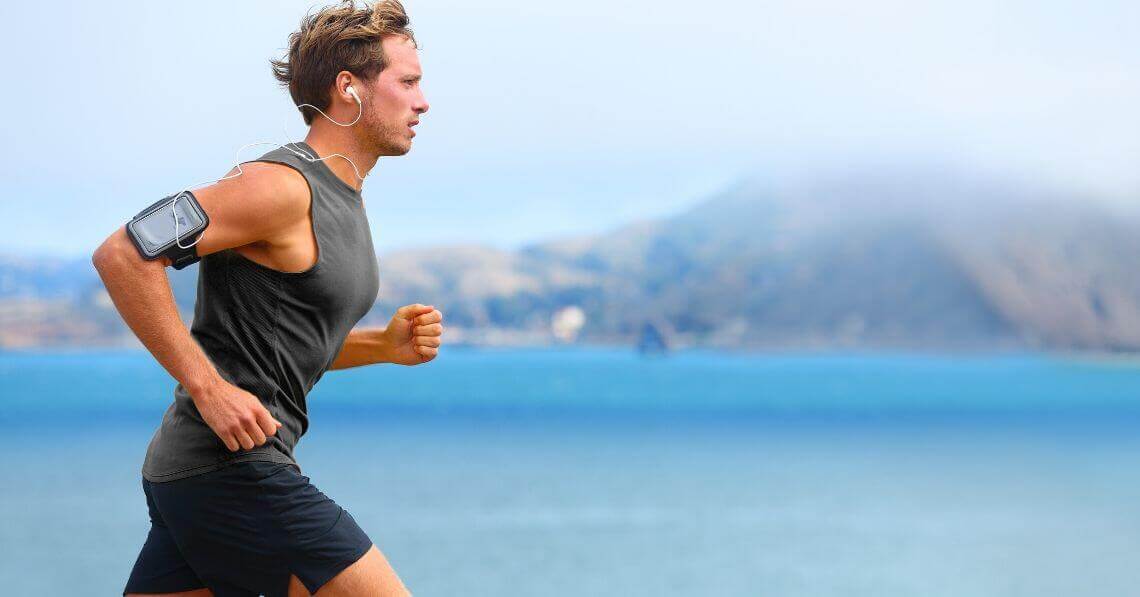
(287, 269)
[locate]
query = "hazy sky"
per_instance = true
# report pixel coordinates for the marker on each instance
(560, 118)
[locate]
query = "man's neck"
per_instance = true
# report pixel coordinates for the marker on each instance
(327, 142)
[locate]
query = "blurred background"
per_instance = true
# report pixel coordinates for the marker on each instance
(740, 298)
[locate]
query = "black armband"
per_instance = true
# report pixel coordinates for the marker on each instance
(153, 229)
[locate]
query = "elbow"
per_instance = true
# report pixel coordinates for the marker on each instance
(116, 251)
(101, 258)
(106, 255)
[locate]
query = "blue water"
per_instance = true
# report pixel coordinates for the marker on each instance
(597, 472)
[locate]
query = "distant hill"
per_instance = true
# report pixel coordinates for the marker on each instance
(929, 261)
(849, 263)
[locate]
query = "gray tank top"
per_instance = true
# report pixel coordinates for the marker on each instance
(270, 332)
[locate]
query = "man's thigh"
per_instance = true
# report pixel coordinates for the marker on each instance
(370, 576)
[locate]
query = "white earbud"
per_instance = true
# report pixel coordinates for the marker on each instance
(359, 109)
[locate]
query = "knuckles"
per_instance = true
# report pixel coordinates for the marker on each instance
(426, 318)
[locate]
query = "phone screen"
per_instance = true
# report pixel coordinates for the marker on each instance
(156, 229)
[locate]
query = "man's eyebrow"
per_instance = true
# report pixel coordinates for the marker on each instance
(413, 77)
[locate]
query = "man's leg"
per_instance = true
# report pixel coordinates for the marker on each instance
(160, 568)
(194, 593)
(370, 576)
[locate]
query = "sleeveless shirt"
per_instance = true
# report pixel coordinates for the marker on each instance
(270, 332)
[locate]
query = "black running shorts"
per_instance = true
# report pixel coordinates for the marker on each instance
(242, 531)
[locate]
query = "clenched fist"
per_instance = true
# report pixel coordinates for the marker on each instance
(414, 334)
(236, 416)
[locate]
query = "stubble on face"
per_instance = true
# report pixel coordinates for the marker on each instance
(383, 137)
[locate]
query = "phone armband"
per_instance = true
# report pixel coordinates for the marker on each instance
(152, 229)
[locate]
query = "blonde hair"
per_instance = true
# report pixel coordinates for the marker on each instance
(336, 38)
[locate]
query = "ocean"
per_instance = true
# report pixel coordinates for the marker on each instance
(595, 471)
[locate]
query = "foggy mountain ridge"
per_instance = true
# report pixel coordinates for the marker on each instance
(851, 263)
(856, 262)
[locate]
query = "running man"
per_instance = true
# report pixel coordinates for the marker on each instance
(287, 269)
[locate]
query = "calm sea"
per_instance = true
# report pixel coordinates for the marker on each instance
(597, 472)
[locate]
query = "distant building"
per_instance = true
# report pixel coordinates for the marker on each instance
(567, 322)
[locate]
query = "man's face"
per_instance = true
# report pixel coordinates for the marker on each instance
(393, 100)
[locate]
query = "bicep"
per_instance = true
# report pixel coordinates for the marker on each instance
(263, 201)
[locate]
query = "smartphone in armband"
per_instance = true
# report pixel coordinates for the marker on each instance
(152, 229)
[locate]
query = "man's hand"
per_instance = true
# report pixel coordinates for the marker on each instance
(235, 415)
(413, 335)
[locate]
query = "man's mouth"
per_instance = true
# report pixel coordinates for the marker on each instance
(411, 124)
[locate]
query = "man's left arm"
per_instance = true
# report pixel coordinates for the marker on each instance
(412, 337)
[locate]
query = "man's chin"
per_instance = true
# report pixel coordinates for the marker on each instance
(396, 150)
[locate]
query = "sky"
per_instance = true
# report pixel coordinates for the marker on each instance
(559, 119)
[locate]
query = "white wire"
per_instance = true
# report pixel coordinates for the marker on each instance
(237, 159)
(299, 106)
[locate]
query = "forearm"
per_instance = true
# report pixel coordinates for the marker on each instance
(363, 346)
(141, 292)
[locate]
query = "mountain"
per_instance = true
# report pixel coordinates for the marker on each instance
(847, 263)
(54, 301)
(926, 261)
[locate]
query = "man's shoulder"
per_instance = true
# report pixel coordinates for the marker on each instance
(260, 202)
(281, 176)
(273, 186)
